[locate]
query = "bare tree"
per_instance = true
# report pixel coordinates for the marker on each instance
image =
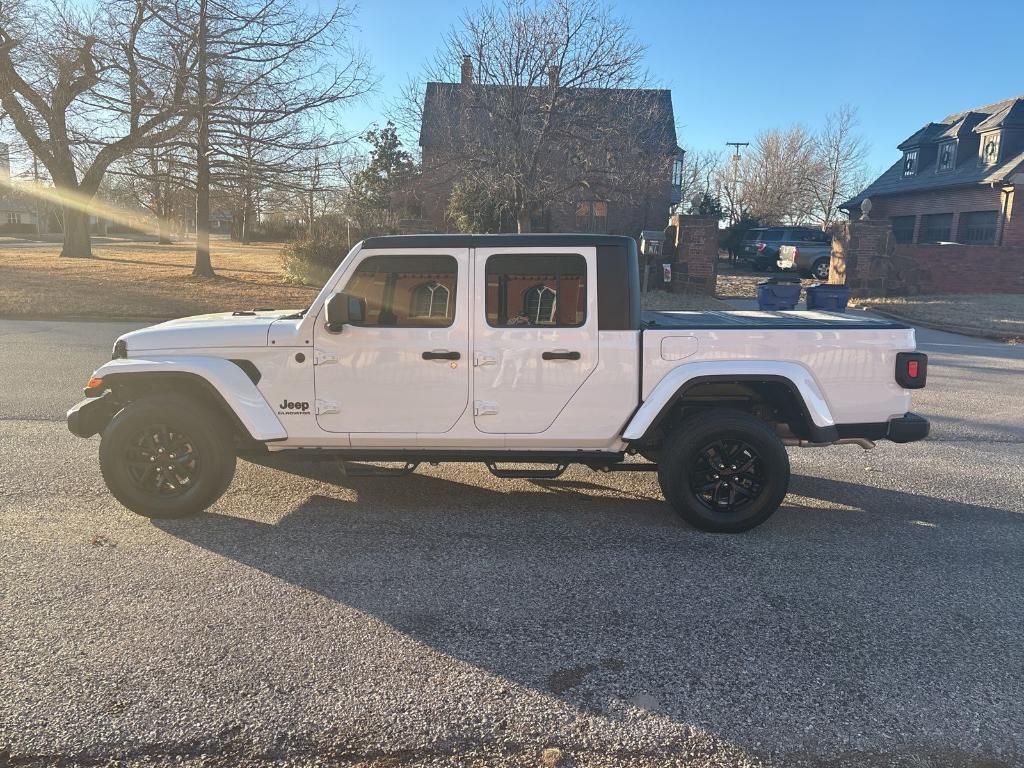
(267, 68)
(774, 175)
(85, 89)
(553, 111)
(698, 174)
(839, 170)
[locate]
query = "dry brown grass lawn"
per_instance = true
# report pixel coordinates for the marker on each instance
(999, 315)
(143, 281)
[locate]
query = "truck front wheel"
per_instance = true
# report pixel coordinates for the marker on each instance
(167, 456)
(724, 471)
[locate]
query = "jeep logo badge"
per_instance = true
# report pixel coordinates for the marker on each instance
(293, 407)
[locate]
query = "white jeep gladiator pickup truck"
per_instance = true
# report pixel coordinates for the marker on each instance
(504, 349)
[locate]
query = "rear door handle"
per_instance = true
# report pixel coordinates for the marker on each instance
(441, 355)
(560, 354)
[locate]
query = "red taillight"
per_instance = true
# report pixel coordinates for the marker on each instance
(911, 369)
(760, 247)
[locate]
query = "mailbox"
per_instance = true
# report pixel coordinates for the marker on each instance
(652, 242)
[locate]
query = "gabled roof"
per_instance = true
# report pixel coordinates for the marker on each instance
(1011, 115)
(455, 110)
(962, 126)
(1008, 113)
(923, 136)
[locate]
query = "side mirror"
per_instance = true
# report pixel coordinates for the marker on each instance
(343, 308)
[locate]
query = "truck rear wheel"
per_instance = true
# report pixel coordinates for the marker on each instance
(167, 456)
(724, 471)
(820, 269)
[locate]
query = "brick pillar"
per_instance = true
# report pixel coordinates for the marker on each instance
(695, 268)
(862, 256)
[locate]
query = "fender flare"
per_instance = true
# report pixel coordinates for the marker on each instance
(793, 375)
(228, 382)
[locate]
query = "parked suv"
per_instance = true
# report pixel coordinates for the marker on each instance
(763, 247)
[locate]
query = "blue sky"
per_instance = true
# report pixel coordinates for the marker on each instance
(736, 67)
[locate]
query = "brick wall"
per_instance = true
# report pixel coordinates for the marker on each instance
(695, 248)
(957, 269)
(866, 258)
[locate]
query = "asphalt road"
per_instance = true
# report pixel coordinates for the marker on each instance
(450, 618)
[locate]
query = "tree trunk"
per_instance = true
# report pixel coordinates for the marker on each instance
(523, 220)
(163, 229)
(77, 242)
(203, 268)
(245, 224)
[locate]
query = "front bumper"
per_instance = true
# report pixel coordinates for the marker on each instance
(91, 415)
(903, 429)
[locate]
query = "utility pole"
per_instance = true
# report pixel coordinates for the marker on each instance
(203, 268)
(735, 175)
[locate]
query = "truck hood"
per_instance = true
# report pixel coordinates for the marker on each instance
(225, 329)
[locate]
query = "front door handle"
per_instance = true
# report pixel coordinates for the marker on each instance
(441, 355)
(561, 354)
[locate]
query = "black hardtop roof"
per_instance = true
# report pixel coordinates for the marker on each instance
(496, 241)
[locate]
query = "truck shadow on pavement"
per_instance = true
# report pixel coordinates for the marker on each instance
(839, 619)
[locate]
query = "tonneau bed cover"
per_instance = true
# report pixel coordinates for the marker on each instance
(746, 319)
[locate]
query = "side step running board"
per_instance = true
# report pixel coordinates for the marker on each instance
(536, 474)
(354, 469)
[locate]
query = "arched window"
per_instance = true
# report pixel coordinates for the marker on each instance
(539, 303)
(430, 300)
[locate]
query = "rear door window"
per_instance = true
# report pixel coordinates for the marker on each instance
(536, 290)
(772, 235)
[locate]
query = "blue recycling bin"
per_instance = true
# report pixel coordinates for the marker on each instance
(829, 298)
(778, 293)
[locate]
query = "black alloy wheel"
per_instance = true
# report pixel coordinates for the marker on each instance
(726, 475)
(167, 455)
(723, 470)
(162, 462)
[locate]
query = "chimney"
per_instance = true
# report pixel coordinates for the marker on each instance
(553, 71)
(467, 70)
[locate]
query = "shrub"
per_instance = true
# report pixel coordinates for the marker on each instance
(311, 262)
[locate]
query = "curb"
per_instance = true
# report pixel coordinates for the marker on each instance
(1006, 338)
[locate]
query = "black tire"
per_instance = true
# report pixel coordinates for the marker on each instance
(820, 269)
(696, 486)
(149, 431)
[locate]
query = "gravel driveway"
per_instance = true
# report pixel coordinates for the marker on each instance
(451, 618)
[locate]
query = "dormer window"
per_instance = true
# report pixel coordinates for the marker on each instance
(910, 162)
(990, 148)
(947, 156)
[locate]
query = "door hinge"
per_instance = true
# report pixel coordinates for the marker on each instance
(485, 358)
(320, 358)
(327, 406)
(484, 408)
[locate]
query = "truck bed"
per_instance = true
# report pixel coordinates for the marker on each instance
(755, 319)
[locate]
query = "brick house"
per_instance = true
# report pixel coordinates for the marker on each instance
(956, 181)
(456, 120)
